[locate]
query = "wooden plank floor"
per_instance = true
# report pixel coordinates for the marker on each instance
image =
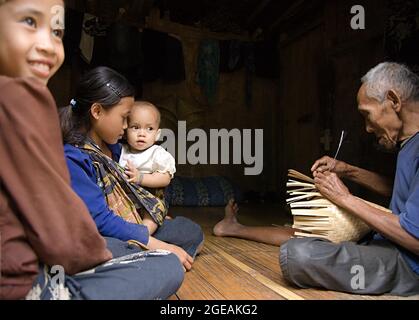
(236, 269)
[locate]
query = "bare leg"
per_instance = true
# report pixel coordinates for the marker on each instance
(230, 227)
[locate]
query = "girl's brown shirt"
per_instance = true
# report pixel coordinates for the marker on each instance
(41, 219)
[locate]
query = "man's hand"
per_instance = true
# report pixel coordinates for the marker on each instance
(368, 179)
(329, 164)
(331, 187)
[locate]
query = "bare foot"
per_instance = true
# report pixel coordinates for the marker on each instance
(229, 224)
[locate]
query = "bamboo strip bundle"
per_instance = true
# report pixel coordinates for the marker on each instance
(316, 216)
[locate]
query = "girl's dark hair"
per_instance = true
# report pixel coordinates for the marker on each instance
(100, 85)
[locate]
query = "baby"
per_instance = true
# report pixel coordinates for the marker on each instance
(145, 163)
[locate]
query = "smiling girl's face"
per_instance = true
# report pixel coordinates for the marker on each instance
(31, 35)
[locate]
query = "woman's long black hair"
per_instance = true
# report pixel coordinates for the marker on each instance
(100, 85)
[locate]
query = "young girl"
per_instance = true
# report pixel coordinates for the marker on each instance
(43, 222)
(92, 126)
(145, 163)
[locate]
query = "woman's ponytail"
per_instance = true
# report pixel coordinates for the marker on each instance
(71, 125)
(100, 85)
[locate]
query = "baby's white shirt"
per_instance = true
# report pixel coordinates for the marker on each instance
(154, 159)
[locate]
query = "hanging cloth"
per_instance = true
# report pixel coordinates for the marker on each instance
(208, 68)
(87, 42)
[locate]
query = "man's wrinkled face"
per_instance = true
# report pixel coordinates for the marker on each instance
(380, 119)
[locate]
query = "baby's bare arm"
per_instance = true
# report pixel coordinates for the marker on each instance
(156, 180)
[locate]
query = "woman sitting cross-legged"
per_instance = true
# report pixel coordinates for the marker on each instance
(91, 126)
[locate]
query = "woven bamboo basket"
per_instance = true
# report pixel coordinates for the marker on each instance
(316, 216)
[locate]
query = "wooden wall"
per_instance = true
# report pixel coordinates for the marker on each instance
(230, 110)
(300, 102)
(322, 67)
(321, 62)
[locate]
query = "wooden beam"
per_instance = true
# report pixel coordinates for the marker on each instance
(301, 31)
(258, 10)
(288, 13)
(154, 22)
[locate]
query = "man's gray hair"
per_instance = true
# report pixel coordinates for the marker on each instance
(391, 76)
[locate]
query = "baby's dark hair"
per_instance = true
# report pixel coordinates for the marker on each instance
(143, 103)
(100, 85)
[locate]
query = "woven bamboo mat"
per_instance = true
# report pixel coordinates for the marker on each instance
(236, 269)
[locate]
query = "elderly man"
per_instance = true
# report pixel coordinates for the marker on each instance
(389, 101)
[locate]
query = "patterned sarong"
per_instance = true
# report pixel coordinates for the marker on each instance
(126, 199)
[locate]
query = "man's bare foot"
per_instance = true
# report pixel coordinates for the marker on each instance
(229, 224)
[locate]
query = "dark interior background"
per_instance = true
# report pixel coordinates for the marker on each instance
(292, 68)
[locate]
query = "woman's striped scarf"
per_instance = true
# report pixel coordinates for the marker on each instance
(126, 199)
